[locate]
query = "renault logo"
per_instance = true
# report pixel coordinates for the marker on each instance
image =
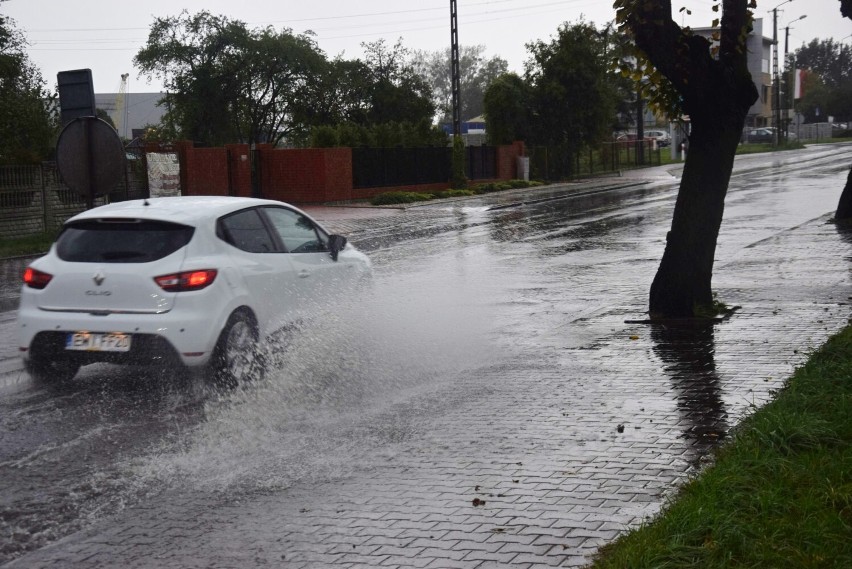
(99, 277)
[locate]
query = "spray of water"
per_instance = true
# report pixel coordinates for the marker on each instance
(340, 386)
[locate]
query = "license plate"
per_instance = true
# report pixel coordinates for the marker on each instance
(98, 342)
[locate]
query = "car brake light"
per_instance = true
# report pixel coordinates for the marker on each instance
(36, 279)
(187, 280)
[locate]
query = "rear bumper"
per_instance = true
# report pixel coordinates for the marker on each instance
(145, 349)
(168, 338)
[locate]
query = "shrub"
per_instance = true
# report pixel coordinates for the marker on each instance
(324, 137)
(459, 180)
(509, 185)
(455, 193)
(484, 188)
(389, 198)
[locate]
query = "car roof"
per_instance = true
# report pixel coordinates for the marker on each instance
(188, 210)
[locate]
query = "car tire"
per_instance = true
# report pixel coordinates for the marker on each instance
(236, 358)
(52, 371)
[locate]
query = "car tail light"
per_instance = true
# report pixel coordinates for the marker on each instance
(36, 279)
(187, 280)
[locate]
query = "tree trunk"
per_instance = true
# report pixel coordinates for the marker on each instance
(683, 281)
(844, 207)
(715, 88)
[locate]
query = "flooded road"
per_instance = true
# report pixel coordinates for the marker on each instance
(474, 393)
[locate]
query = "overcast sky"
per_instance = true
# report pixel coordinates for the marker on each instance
(105, 35)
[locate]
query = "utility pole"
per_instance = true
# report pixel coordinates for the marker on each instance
(776, 96)
(788, 95)
(456, 76)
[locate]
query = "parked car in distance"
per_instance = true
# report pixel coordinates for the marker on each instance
(186, 281)
(662, 137)
(760, 135)
(765, 135)
(626, 137)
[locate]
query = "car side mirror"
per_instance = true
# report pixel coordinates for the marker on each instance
(336, 243)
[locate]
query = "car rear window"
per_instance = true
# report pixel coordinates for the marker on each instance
(120, 241)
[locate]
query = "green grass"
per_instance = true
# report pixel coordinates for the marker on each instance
(666, 158)
(779, 494)
(756, 148)
(29, 245)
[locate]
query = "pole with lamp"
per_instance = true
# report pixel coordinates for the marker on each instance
(776, 92)
(788, 96)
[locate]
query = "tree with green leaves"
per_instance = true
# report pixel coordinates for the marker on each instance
(28, 111)
(228, 83)
(569, 96)
(476, 73)
(830, 59)
(572, 93)
(399, 93)
(712, 84)
(508, 109)
(341, 93)
(828, 91)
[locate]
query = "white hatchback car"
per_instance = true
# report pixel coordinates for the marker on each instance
(193, 281)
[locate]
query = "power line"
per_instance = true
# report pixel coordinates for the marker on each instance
(440, 24)
(525, 7)
(314, 19)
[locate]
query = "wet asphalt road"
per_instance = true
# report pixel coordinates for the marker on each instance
(464, 293)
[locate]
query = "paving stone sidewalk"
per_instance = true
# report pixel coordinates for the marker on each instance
(518, 473)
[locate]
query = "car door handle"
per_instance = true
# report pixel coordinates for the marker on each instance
(304, 274)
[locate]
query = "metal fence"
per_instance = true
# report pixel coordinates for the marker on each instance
(811, 132)
(557, 163)
(480, 162)
(386, 167)
(34, 199)
(19, 186)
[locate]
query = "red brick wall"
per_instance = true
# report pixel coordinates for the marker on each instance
(206, 172)
(306, 175)
(507, 160)
(240, 157)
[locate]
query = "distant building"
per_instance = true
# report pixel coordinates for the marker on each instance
(472, 130)
(131, 112)
(759, 56)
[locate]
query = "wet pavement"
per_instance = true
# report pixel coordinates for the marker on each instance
(499, 411)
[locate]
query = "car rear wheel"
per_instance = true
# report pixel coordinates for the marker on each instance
(236, 358)
(51, 370)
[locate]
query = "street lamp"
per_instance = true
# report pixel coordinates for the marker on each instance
(788, 96)
(787, 33)
(777, 91)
